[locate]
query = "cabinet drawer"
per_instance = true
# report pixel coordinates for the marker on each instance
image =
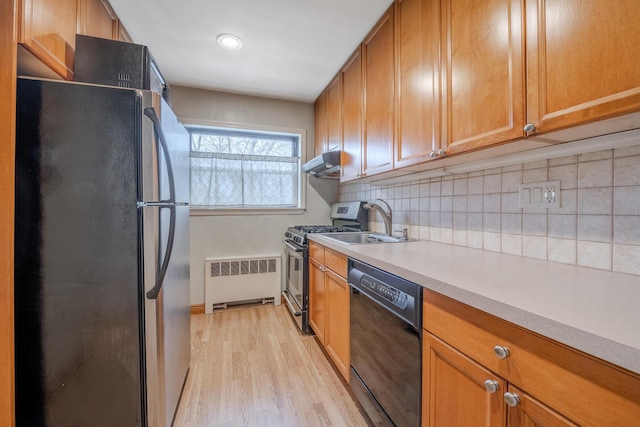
(583, 389)
(335, 261)
(316, 251)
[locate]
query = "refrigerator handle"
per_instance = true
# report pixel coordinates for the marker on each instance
(150, 112)
(153, 293)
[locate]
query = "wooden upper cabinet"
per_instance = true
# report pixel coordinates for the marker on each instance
(321, 123)
(351, 156)
(418, 100)
(334, 114)
(379, 95)
(96, 18)
(122, 34)
(483, 73)
(582, 61)
(47, 28)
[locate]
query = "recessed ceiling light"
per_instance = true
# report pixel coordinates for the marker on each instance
(229, 42)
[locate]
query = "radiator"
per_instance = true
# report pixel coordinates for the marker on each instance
(235, 280)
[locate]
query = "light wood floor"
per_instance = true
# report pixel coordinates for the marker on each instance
(250, 366)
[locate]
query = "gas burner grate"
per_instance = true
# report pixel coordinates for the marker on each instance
(320, 229)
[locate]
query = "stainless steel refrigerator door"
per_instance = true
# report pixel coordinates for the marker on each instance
(167, 317)
(165, 147)
(154, 172)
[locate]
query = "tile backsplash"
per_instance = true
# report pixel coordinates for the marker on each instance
(597, 224)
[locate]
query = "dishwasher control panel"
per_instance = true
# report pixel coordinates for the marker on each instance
(391, 294)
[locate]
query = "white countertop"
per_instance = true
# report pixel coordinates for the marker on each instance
(595, 311)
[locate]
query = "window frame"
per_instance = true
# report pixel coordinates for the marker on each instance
(302, 177)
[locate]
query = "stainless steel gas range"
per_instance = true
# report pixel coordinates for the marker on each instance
(345, 216)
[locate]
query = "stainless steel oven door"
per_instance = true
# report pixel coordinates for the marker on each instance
(296, 287)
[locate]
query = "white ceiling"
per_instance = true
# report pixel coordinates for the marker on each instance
(292, 48)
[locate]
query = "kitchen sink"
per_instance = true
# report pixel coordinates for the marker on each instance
(364, 238)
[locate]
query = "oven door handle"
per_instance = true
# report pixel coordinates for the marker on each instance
(293, 310)
(292, 247)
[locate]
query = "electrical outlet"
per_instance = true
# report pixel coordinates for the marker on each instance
(540, 195)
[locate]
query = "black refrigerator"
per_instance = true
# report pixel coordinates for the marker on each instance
(102, 332)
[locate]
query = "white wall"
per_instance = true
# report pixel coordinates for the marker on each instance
(245, 235)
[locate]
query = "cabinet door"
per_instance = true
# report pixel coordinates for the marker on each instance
(531, 413)
(582, 61)
(483, 73)
(122, 34)
(334, 113)
(96, 18)
(379, 96)
(418, 107)
(321, 124)
(48, 30)
(317, 299)
(453, 389)
(337, 333)
(351, 158)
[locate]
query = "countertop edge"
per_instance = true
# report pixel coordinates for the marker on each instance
(609, 350)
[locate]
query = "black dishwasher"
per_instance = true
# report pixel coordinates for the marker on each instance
(386, 350)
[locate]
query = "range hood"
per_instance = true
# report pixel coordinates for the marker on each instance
(324, 164)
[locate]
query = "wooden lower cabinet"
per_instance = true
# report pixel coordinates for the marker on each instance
(555, 385)
(454, 391)
(337, 323)
(329, 304)
(531, 413)
(317, 297)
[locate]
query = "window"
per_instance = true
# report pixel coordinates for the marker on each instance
(239, 169)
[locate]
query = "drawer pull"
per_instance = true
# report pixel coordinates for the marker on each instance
(511, 399)
(491, 386)
(501, 352)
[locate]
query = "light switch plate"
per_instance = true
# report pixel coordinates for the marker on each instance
(540, 195)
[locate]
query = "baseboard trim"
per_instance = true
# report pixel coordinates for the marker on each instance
(197, 309)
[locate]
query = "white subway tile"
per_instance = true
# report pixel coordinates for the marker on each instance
(446, 204)
(493, 171)
(534, 224)
(475, 185)
(474, 239)
(460, 220)
(534, 247)
(447, 188)
(566, 174)
(563, 160)
(626, 230)
(460, 203)
(474, 221)
(634, 150)
(626, 171)
(460, 187)
(536, 165)
(511, 181)
(568, 202)
(492, 241)
(626, 259)
(460, 237)
(423, 233)
(627, 200)
(435, 189)
(511, 203)
(596, 201)
(492, 184)
(474, 203)
(595, 255)
(446, 235)
(434, 234)
(595, 174)
(492, 222)
(512, 244)
(512, 223)
(561, 250)
(534, 175)
(446, 219)
(512, 168)
(492, 203)
(595, 228)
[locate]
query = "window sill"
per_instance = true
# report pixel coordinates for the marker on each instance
(247, 211)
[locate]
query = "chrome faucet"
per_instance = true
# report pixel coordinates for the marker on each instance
(386, 216)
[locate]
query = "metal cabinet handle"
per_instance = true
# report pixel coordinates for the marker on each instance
(511, 399)
(529, 127)
(491, 386)
(441, 152)
(501, 352)
(433, 154)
